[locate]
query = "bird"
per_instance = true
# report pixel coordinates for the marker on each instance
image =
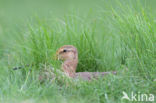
(69, 55)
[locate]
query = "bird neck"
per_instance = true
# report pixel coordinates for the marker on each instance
(69, 66)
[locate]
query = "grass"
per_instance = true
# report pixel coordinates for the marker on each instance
(109, 35)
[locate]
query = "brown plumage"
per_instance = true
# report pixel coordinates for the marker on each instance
(69, 55)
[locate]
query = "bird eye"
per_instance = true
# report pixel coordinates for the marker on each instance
(64, 50)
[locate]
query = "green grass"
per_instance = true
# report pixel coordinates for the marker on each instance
(109, 35)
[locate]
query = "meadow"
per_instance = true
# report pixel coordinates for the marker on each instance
(114, 35)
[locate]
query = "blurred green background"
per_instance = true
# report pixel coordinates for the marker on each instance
(111, 35)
